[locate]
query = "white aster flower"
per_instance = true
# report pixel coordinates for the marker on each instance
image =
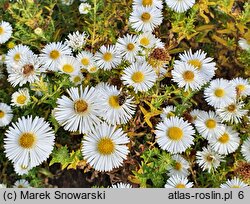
(20, 98)
(128, 47)
(27, 70)
(226, 142)
(234, 183)
(15, 54)
(5, 31)
(203, 64)
(2, 185)
(117, 107)
(168, 112)
(76, 40)
(174, 134)
(180, 166)
(85, 58)
(232, 113)
(148, 40)
(29, 142)
(69, 65)
(208, 124)
(5, 114)
(180, 6)
(148, 3)
(107, 57)
(242, 86)
(195, 113)
(52, 53)
(145, 18)
(176, 181)
(22, 183)
(208, 159)
(21, 169)
(187, 76)
(84, 8)
(245, 150)
(244, 44)
(220, 93)
(121, 185)
(104, 147)
(140, 76)
(77, 79)
(79, 111)
(92, 68)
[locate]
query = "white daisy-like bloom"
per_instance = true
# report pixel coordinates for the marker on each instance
(128, 47)
(140, 76)
(180, 6)
(5, 32)
(108, 57)
(104, 147)
(179, 167)
(3, 185)
(174, 135)
(27, 70)
(79, 111)
(22, 183)
(168, 112)
(52, 53)
(203, 64)
(245, 150)
(116, 107)
(121, 185)
(187, 76)
(76, 40)
(145, 18)
(225, 143)
(220, 93)
(85, 58)
(67, 2)
(234, 183)
(21, 169)
(148, 40)
(208, 159)
(20, 98)
(241, 85)
(148, 3)
(194, 114)
(176, 181)
(232, 113)
(69, 65)
(208, 124)
(5, 114)
(29, 141)
(92, 68)
(84, 8)
(244, 44)
(15, 54)
(77, 79)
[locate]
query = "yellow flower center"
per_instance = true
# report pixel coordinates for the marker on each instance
(178, 166)
(106, 146)
(107, 56)
(27, 140)
(85, 61)
(235, 186)
(188, 76)
(114, 102)
(54, 54)
(145, 17)
(196, 63)
(241, 87)
(147, 3)
(80, 106)
(180, 185)
(2, 114)
(21, 99)
(144, 41)
(93, 69)
(68, 68)
(23, 167)
(209, 158)
(17, 57)
(1, 30)
(10, 45)
(20, 186)
(77, 79)
(138, 77)
(224, 138)
(175, 133)
(210, 123)
(130, 46)
(231, 108)
(28, 69)
(219, 92)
